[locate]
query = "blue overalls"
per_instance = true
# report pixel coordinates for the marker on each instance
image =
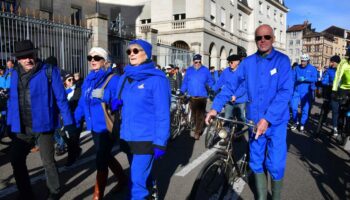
(269, 85)
(305, 79)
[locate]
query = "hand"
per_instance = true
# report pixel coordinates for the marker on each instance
(158, 153)
(301, 78)
(233, 98)
(97, 93)
(261, 128)
(212, 113)
(116, 104)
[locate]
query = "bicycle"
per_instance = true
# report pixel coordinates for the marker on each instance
(344, 120)
(180, 117)
(223, 169)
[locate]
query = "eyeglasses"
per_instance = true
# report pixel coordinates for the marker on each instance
(96, 58)
(134, 50)
(70, 79)
(260, 37)
(197, 62)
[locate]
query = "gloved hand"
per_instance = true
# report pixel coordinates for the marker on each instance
(97, 93)
(301, 78)
(116, 104)
(158, 153)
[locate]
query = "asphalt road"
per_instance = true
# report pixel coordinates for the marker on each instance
(317, 168)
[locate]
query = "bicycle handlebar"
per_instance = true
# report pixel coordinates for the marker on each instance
(249, 124)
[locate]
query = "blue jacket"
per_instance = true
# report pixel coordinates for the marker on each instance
(146, 105)
(269, 87)
(5, 81)
(196, 81)
(90, 107)
(328, 76)
(228, 76)
(44, 110)
(305, 79)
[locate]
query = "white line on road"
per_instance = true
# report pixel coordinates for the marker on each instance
(184, 171)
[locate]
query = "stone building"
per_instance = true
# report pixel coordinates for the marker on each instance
(341, 39)
(319, 46)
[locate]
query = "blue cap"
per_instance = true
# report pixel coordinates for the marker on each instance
(197, 57)
(146, 46)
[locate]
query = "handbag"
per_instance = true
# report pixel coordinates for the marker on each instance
(113, 120)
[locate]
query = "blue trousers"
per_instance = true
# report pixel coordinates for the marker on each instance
(305, 101)
(140, 170)
(269, 151)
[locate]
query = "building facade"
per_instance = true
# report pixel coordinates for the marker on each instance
(319, 46)
(213, 28)
(341, 39)
(295, 35)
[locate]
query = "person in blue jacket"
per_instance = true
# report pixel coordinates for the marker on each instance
(327, 84)
(269, 86)
(304, 86)
(145, 113)
(33, 116)
(236, 105)
(196, 83)
(90, 108)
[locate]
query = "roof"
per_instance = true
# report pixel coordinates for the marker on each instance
(315, 34)
(295, 28)
(336, 31)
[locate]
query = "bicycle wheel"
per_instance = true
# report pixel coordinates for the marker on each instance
(210, 135)
(212, 181)
(175, 125)
(320, 122)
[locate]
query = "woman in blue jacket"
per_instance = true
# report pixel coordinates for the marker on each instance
(90, 108)
(145, 112)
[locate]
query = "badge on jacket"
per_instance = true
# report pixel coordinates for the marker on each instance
(273, 71)
(142, 86)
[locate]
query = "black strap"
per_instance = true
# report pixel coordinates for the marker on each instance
(122, 87)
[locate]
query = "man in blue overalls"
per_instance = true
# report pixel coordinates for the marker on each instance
(269, 86)
(304, 84)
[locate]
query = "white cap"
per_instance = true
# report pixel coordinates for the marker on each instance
(305, 57)
(100, 52)
(167, 67)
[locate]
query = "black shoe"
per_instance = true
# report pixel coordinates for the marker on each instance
(53, 196)
(72, 159)
(60, 151)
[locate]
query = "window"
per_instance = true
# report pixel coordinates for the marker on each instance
(268, 11)
(317, 48)
(180, 16)
(297, 42)
(281, 18)
(308, 39)
(260, 7)
(281, 36)
(223, 17)
(294, 34)
(212, 11)
(46, 5)
(232, 23)
(317, 38)
(240, 21)
(308, 48)
(297, 51)
(291, 42)
(75, 16)
(275, 15)
(145, 21)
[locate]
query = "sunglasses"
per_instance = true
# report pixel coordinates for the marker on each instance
(96, 58)
(197, 62)
(30, 56)
(70, 79)
(135, 51)
(260, 37)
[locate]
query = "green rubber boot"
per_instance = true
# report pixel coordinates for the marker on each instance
(276, 187)
(261, 188)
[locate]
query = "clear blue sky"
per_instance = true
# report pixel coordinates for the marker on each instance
(321, 13)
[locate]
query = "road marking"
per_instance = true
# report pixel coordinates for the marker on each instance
(12, 189)
(184, 171)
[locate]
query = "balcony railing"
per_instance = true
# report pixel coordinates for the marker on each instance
(178, 25)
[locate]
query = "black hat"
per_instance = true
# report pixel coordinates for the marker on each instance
(67, 76)
(23, 48)
(335, 59)
(197, 57)
(233, 58)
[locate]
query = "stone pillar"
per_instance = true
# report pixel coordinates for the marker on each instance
(98, 23)
(151, 35)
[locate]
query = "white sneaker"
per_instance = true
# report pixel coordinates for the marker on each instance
(293, 127)
(335, 132)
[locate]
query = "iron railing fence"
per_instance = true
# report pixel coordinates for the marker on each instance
(67, 42)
